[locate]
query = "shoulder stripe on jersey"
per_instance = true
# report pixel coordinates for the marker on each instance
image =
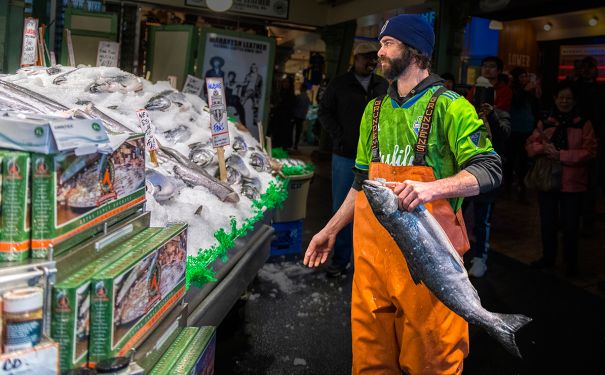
(362, 167)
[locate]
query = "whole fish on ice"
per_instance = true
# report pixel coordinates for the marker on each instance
(163, 101)
(164, 187)
(433, 261)
(123, 83)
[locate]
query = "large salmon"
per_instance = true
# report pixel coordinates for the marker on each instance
(433, 261)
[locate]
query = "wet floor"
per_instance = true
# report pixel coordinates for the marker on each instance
(296, 321)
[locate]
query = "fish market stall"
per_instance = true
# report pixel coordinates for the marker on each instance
(146, 235)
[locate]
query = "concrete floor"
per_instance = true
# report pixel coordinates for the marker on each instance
(296, 321)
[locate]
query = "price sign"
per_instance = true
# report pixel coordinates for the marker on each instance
(29, 50)
(218, 112)
(147, 127)
(193, 85)
(108, 54)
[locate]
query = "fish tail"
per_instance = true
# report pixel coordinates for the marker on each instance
(505, 332)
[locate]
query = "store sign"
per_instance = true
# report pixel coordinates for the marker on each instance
(108, 54)
(244, 63)
(218, 112)
(584, 50)
(267, 8)
(193, 85)
(518, 60)
(571, 57)
(29, 51)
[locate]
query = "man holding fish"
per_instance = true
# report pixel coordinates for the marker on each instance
(429, 146)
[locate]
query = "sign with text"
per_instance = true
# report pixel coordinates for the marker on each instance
(108, 54)
(147, 127)
(265, 8)
(29, 50)
(218, 111)
(193, 85)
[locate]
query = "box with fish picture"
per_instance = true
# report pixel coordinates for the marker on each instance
(74, 196)
(70, 323)
(132, 296)
(14, 202)
(192, 352)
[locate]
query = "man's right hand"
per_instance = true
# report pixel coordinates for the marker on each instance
(319, 248)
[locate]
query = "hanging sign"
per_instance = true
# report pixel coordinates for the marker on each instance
(218, 112)
(193, 85)
(108, 54)
(29, 50)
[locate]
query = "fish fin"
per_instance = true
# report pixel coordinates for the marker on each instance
(505, 332)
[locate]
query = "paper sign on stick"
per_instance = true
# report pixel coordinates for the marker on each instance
(147, 127)
(29, 50)
(218, 111)
(108, 54)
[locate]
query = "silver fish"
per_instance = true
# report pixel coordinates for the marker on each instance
(239, 145)
(199, 210)
(251, 188)
(164, 187)
(165, 99)
(199, 177)
(113, 125)
(35, 101)
(62, 78)
(202, 156)
(123, 83)
(237, 163)
(433, 261)
(260, 162)
(234, 177)
(178, 134)
(53, 70)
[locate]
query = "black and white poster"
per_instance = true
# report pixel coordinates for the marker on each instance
(244, 63)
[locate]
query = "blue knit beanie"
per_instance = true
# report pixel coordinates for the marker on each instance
(412, 30)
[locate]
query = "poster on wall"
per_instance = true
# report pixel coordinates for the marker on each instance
(576, 61)
(265, 8)
(245, 63)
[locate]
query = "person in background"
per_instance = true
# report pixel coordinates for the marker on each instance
(300, 113)
(340, 111)
(398, 326)
(494, 112)
(566, 136)
(522, 111)
(280, 122)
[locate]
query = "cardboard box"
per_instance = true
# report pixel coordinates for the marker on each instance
(132, 296)
(42, 359)
(15, 216)
(175, 352)
(198, 359)
(71, 302)
(74, 196)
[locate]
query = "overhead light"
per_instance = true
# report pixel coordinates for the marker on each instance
(593, 21)
(496, 25)
(547, 26)
(219, 5)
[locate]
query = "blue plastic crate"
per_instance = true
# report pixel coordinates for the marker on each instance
(288, 238)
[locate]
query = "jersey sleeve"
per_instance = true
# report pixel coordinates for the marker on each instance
(467, 134)
(364, 145)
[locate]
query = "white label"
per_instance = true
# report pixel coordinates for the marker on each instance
(70, 48)
(71, 134)
(29, 51)
(108, 54)
(147, 127)
(218, 112)
(40, 360)
(193, 85)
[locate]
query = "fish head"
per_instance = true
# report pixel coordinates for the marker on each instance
(382, 199)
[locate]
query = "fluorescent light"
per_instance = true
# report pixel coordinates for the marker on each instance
(547, 26)
(593, 21)
(219, 5)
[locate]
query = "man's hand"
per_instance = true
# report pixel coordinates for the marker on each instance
(412, 193)
(319, 248)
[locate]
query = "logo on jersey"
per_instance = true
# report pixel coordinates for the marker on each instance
(416, 125)
(478, 139)
(383, 27)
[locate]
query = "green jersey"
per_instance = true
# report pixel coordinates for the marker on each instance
(457, 134)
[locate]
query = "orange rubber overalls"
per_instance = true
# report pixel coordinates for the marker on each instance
(398, 325)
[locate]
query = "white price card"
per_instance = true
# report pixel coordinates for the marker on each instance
(193, 85)
(108, 54)
(218, 112)
(29, 51)
(147, 127)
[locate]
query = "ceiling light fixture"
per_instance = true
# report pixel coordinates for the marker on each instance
(547, 26)
(496, 25)
(593, 21)
(219, 5)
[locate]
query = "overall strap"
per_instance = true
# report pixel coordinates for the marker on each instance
(375, 117)
(421, 146)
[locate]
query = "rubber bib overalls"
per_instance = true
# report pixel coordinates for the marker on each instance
(398, 325)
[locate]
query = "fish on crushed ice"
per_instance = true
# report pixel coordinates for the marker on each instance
(53, 70)
(202, 156)
(260, 162)
(251, 188)
(178, 134)
(123, 83)
(239, 145)
(199, 177)
(164, 187)
(163, 101)
(237, 163)
(62, 78)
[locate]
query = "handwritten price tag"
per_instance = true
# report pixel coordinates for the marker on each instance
(108, 54)
(147, 127)
(29, 51)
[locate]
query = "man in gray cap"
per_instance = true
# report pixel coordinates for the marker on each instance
(340, 111)
(398, 326)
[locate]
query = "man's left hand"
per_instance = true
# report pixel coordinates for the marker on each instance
(412, 193)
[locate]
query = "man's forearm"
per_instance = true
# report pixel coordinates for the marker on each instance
(344, 215)
(462, 184)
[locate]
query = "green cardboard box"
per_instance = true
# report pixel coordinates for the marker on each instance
(73, 197)
(132, 296)
(71, 302)
(15, 217)
(199, 357)
(175, 352)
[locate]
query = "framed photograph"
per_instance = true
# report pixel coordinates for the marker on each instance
(245, 62)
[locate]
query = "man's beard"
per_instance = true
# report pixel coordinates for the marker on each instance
(398, 66)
